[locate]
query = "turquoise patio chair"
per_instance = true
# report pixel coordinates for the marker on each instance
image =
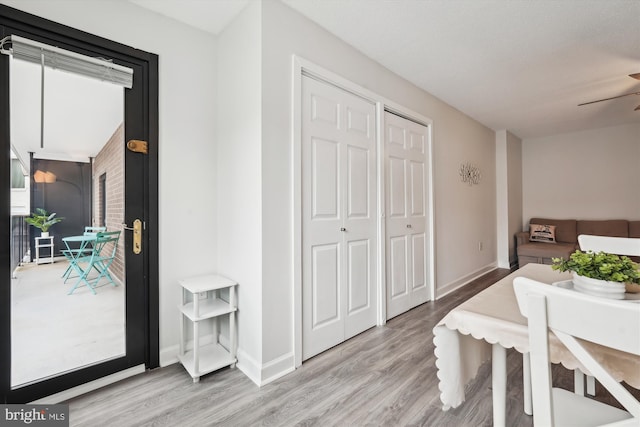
(89, 231)
(99, 259)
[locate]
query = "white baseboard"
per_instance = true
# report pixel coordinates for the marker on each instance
(90, 386)
(457, 284)
(169, 356)
(268, 372)
(277, 368)
(249, 367)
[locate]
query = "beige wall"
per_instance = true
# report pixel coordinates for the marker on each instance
(239, 198)
(591, 174)
(509, 195)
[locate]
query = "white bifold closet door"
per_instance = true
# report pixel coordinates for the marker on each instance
(406, 214)
(338, 216)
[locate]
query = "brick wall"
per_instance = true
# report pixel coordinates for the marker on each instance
(110, 162)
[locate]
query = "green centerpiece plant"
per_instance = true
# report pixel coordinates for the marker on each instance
(601, 269)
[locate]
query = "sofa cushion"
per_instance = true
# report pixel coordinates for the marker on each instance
(611, 227)
(566, 231)
(546, 250)
(542, 233)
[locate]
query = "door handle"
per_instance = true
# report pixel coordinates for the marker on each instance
(408, 225)
(343, 229)
(137, 235)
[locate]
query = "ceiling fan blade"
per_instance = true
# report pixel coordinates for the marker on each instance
(607, 99)
(635, 76)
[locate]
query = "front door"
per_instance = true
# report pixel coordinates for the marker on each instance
(55, 335)
(339, 221)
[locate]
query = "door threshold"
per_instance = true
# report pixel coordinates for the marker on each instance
(90, 386)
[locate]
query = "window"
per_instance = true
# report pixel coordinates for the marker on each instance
(103, 199)
(17, 174)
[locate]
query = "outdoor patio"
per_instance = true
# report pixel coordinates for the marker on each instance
(53, 332)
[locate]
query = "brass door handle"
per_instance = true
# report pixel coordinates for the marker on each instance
(137, 235)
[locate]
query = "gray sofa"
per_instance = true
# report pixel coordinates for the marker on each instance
(567, 232)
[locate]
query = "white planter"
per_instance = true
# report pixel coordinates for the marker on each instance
(44, 234)
(599, 288)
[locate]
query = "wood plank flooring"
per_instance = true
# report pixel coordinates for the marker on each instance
(385, 376)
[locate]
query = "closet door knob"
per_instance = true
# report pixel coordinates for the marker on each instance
(408, 225)
(343, 229)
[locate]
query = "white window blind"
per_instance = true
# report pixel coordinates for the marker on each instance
(54, 57)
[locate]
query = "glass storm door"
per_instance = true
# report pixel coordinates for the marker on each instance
(76, 298)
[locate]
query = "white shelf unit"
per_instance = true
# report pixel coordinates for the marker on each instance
(44, 242)
(201, 302)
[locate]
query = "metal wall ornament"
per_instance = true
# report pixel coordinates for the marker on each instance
(470, 174)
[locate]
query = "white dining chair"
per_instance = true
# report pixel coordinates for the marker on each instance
(573, 316)
(613, 245)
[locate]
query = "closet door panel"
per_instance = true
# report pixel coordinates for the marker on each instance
(338, 221)
(406, 220)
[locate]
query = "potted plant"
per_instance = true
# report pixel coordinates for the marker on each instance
(600, 273)
(43, 220)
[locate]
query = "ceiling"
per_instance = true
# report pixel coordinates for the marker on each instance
(80, 113)
(208, 15)
(517, 65)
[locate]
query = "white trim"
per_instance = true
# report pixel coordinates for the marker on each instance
(270, 371)
(90, 386)
(250, 367)
(302, 66)
(277, 368)
(296, 170)
(169, 356)
(382, 256)
(457, 284)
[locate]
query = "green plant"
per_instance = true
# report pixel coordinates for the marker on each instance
(600, 265)
(42, 219)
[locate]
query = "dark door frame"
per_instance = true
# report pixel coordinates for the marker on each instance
(52, 33)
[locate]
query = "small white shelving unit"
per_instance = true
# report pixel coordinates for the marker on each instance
(201, 302)
(44, 242)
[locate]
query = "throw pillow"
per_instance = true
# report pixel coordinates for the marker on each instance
(542, 233)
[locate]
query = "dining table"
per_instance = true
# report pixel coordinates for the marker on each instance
(486, 325)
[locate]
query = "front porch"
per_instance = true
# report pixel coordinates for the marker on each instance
(52, 332)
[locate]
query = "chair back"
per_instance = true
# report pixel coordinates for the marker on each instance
(91, 231)
(102, 245)
(570, 315)
(614, 245)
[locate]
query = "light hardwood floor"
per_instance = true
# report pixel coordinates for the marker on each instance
(385, 376)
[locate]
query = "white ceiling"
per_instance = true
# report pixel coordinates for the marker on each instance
(517, 65)
(208, 15)
(80, 113)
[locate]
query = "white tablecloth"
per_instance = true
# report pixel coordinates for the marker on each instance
(463, 338)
